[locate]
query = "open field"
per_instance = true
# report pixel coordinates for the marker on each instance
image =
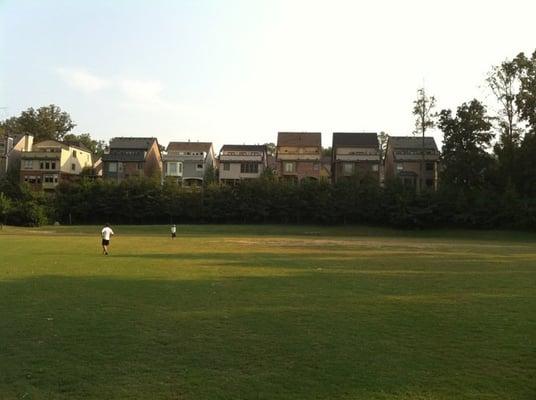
(271, 312)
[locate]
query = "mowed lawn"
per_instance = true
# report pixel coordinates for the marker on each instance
(267, 312)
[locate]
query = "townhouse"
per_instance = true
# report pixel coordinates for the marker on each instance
(404, 160)
(129, 157)
(239, 162)
(299, 155)
(187, 163)
(355, 154)
(50, 162)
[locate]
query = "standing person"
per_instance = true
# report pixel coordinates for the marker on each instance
(173, 231)
(106, 234)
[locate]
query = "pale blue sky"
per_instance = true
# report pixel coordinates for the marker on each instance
(237, 71)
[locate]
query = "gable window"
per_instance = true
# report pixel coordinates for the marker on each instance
(73, 167)
(226, 166)
(74, 153)
(289, 167)
(249, 168)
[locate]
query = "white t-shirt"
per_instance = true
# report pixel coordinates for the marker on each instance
(106, 232)
(173, 229)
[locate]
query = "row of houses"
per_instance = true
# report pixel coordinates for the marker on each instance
(298, 156)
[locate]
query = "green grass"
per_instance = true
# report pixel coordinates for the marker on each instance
(271, 312)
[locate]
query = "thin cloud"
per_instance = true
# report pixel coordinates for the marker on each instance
(82, 80)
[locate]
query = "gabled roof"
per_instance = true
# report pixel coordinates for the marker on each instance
(412, 142)
(355, 139)
(243, 147)
(132, 143)
(189, 146)
(299, 139)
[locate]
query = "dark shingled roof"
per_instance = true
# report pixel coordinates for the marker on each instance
(243, 147)
(309, 139)
(412, 142)
(189, 146)
(131, 143)
(125, 155)
(355, 139)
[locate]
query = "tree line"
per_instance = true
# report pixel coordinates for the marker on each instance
(487, 176)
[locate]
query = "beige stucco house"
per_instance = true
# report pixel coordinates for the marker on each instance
(51, 162)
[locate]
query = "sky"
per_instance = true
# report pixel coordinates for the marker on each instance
(239, 71)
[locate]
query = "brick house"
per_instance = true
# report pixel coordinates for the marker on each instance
(51, 162)
(355, 153)
(299, 155)
(403, 159)
(188, 162)
(129, 157)
(238, 162)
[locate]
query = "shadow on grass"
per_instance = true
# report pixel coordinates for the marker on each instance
(306, 336)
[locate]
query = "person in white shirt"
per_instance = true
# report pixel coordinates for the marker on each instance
(106, 234)
(173, 231)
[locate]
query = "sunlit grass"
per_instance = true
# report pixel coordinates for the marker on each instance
(247, 312)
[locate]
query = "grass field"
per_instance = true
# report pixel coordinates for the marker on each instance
(229, 312)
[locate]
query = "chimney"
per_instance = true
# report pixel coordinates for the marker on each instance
(28, 142)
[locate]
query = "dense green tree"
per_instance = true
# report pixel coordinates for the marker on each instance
(95, 146)
(466, 138)
(526, 96)
(48, 122)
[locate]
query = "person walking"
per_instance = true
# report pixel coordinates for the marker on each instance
(106, 234)
(173, 231)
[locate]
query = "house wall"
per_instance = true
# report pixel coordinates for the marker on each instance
(153, 162)
(235, 173)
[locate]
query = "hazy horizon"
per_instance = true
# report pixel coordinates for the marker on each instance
(238, 72)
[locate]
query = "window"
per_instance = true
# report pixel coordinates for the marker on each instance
(120, 167)
(399, 167)
(28, 164)
(226, 166)
(48, 179)
(429, 166)
(47, 165)
(174, 168)
(74, 153)
(73, 167)
(53, 165)
(112, 167)
(199, 167)
(289, 167)
(140, 165)
(249, 168)
(429, 182)
(348, 168)
(41, 165)
(375, 167)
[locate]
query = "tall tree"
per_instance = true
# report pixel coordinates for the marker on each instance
(425, 117)
(466, 137)
(504, 83)
(526, 96)
(48, 122)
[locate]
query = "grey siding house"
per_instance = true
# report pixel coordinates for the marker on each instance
(238, 162)
(187, 163)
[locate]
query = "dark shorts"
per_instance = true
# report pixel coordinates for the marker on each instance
(105, 242)
(173, 235)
